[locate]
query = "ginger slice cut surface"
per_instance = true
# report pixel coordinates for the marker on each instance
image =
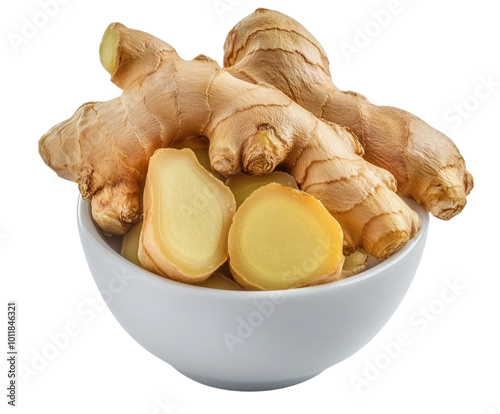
(130, 244)
(242, 185)
(283, 238)
(187, 214)
(354, 263)
(219, 281)
(200, 146)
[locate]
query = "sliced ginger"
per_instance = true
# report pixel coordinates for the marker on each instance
(130, 244)
(219, 281)
(354, 263)
(187, 214)
(242, 185)
(200, 147)
(284, 238)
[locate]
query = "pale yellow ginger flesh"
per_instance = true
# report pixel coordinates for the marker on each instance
(106, 146)
(219, 281)
(130, 244)
(108, 55)
(283, 238)
(354, 263)
(187, 215)
(268, 46)
(242, 185)
(200, 146)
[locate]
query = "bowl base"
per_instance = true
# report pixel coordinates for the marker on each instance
(247, 386)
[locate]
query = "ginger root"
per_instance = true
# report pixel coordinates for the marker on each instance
(242, 185)
(130, 244)
(219, 281)
(200, 146)
(106, 146)
(354, 263)
(187, 215)
(284, 238)
(268, 46)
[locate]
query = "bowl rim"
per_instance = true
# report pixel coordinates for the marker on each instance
(88, 228)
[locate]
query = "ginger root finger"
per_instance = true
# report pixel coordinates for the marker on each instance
(187, 214)
(358, 194)
(268, 46)
(283, 238)
(130, 55)
(98, 148)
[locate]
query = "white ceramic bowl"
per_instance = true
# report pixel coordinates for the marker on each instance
(243, 340)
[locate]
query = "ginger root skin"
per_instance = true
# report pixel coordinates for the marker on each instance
(268, 46)
(106, 146)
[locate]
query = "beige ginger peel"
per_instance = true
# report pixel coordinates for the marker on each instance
(268, 46)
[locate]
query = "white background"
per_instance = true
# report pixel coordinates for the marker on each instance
(431, 58)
